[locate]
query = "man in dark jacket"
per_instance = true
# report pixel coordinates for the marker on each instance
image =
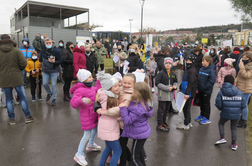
(51, 59)
(12, 63)
(62, 51)
(38, 43)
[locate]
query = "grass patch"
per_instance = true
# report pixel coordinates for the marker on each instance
(108, 62)
(250, 122)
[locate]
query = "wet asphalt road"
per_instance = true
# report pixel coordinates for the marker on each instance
(54, 137)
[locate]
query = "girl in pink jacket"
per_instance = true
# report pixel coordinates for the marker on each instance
(108, 127)
(226, 70)
(84, 95)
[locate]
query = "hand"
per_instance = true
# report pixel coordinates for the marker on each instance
(97, 97)
(33, 72)
(186, 97)
(149, 69)
(122, 64)
(99, 111)
(175, 63)
(37, 70)
(122, 104)
(171, 88)
(86, 100)
(128, 68)
(174, 87)
(241, 64)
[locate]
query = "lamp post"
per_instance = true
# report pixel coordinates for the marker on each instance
(130, 20)
(142, 4)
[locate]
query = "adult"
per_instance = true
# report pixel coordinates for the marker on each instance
(244, 83)
(90, 59)
(67, 61)
(213, 54)
(26, 49)
(122, 57)
(188, 51)
(225, 55)
(107, 46)
(198, 57)
(241, 50)
(174, 56)
(51, 59)
(100, 52)
(79, 58)
(134, 59)
(239, 59)
(235, 55)
(143, 52)
(125, 44)
(38, 43)
(12, 63)
(45, 36)
(62, 51)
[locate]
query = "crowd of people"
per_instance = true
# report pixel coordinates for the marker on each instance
(119, 106)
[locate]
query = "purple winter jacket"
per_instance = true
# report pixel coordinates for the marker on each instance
(135, 119)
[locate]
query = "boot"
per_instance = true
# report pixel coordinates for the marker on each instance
(69, 96)
(66, 98)
(242, 123)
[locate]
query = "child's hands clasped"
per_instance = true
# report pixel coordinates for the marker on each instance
(122, 104)
(171, 88)
(86, 100)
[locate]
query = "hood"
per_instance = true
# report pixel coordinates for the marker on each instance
(229, 90)
(77, 86)
(26, 39)
(188, 48)
(149, 112)
(37, 38)
(248, 66)
(159, 56)
(7, 45)
(76, 49)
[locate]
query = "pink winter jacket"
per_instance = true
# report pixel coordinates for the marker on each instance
(223, 72)
(108, 127)
(88, 118)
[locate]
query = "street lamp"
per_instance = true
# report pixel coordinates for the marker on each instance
(130, 20)
(142, 4)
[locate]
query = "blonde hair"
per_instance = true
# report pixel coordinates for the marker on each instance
(131, 75)
(142, 93)
(149, 60)
(137, 51)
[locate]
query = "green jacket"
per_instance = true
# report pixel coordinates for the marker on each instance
(38, 44)
(100, 53)
(12, 62)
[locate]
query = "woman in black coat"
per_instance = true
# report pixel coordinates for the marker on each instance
(198, 55)
(68, 71)
(213, 54)
(90, 59)
(134, 59)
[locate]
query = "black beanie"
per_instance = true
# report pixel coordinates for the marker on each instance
(191, 58)
(229, 78)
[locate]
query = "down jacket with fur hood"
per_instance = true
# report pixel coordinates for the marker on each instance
(244, 78)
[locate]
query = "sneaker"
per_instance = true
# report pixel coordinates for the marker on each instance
(53, 102)
(165, 125)
(190, 125)
(145, 158)
(15, 102)
(33, 99)
(161, 128)
(40, 98)
(29, 119)
(12, 122)
(48, 97)
(205, 121)
(2, 104)
(181, 126)
(234, 146)
(199, 118)
(94, 147)
(80, 159)
(221, 141)
(152, 90)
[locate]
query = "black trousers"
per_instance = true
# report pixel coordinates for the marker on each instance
(187, 111)
(163, 108)
(205, 107)
(120, 70)
(67, 85)
(97, 67)
(233, 127)
(152, 81)
(137, 152)
(126, 155)
(33, 81)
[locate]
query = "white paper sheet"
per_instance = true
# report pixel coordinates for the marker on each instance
(180, 101)
(126, 63)
(139, 76)
(116, 59)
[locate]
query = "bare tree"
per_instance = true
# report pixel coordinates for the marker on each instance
(90, 28)
(148, 31)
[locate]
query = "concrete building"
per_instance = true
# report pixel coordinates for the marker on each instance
(243, 38)
(45, 18)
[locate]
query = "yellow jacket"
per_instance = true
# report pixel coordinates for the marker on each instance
(31, 65)
(144, 52)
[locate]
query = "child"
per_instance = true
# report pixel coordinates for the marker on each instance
(206, 80)
(151, 70)
(84, 95)
(118, 76)
(226, 70)
(230, 101)
(35, 69)
(188, 87)
(166, 82)
(135, 118)
(108, 127)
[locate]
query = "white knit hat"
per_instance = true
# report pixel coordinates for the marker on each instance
(229, 61)
(83, 74)
(80, 44)
(107, 82)
(118, 75)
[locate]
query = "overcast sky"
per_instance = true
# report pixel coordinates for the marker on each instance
(114, 15)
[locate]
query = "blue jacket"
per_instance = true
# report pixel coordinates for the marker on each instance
(27, 51)
(230, 101)
(206, 79)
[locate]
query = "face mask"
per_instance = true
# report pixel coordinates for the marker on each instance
(87, 52)
(119, 50)
(82, 48)
(212, 52)
(88, 84)
(61, 45)
(132, 50)
(225, 64)
(188, 65)
(34, 57)
(48, 46)
(71, 47)
(25, 43)
(151, 57)
(245, 61)
(241, 48)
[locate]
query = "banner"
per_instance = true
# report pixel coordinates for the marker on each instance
(204, 40)
(228, 43)
(82, 39)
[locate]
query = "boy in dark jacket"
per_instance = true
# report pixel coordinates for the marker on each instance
(206, 80)
(166, 82)
(188, 87)
(230, 101)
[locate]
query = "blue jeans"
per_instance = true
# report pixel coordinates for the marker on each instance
(88, 135)
(24, 77)
(46, 77)
(117, 151)
(245, 110)
(21, 94)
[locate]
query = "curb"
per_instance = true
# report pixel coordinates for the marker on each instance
(248, 147)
